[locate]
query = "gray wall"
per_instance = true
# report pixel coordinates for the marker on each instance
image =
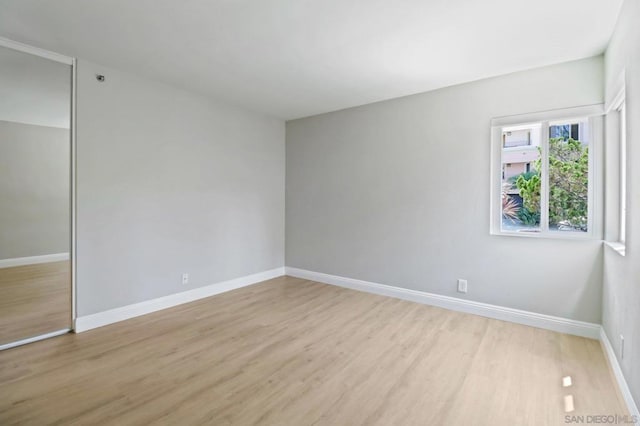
(34, 189)
(34, 90)
(397, 193)
(170, 182)
(621, 295)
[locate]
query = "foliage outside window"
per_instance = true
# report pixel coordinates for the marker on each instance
(545, 182)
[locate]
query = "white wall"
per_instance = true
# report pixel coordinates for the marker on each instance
(621, 295)
(34, 190)
(170, 182)
(397, 193)
(34, 90)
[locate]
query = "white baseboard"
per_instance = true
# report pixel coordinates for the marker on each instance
(111, 316)
(33, 260)
(617, 372)
(563, 325)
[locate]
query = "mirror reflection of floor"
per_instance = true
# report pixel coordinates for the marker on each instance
(34, 300)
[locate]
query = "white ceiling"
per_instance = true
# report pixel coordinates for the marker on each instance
(294, 58)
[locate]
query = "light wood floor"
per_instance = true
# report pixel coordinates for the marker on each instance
(34, 300)
(294, 352)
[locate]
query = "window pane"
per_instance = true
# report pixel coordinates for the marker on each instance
(521, 178)
(568, 176)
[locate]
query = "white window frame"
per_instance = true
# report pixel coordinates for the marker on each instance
(594, 114)
(622, 229)
(618, 104)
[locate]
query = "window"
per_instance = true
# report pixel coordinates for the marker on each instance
(543, 173)
(565, 131)
(618, 120)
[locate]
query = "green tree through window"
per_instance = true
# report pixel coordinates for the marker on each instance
(568, 186)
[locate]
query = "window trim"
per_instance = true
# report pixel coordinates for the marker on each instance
(622, 179)
(618, 104)
(595, 115)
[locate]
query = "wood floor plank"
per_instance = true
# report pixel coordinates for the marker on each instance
(294, 352)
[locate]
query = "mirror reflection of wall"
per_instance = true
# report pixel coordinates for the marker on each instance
(35, 188)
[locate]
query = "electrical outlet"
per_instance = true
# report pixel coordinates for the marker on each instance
(621, 346)
(462, 286)
(185, 278)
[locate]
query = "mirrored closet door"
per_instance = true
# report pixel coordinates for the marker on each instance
(35, 196)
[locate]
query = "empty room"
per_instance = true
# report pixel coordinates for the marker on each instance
(338, 212)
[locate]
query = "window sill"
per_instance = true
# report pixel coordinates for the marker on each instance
(568, 235)
(618, 247)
